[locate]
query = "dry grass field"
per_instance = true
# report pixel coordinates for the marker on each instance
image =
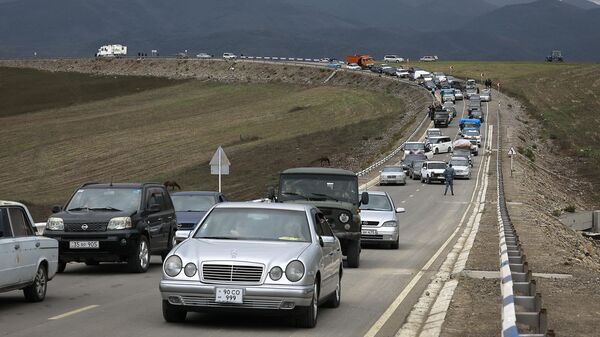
(168, 130)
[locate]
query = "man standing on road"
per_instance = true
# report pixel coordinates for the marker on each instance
(449, 178)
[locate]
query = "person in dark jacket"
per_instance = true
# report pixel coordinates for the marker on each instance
(449, 179)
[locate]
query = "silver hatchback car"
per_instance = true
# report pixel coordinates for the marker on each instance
(255, 256)
(379, 220)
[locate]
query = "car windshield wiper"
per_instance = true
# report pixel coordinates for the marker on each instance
(75, 209)
(107, 208)
(296, 194)
(325, 195)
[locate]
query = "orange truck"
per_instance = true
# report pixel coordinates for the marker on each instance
(364, 61)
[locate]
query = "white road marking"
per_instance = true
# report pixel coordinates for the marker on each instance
(376, 327)
(403, 201)
(66, 314)
(412, 195)
(418, 189)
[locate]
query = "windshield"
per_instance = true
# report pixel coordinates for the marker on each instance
(193, 203)
(462, 153)
(417, 163)
(255, 224)
(414, 146)
(459, 162)
(437, 166)
(377, 202)
(434, 133)
(392, 169)
(319, 187)
(471, 133)
(106, 199)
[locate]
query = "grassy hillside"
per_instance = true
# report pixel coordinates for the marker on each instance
(27, 90)
(171, 132)
(565, 98)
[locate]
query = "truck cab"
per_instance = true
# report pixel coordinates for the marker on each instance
(335, 193)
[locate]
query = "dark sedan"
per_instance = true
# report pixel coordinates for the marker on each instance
(191, 207)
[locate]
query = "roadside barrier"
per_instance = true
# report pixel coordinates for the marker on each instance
(521, 303)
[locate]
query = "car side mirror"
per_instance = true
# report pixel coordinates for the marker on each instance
(400, 210)
(364, 198)
(321, 242)
(182, 235)
(56, 209)
(154, 208)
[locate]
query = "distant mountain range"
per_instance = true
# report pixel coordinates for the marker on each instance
(456, 29)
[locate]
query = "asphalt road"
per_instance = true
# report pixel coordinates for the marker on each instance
(105, 300)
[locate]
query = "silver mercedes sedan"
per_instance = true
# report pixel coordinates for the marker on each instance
(255, 256)
(379, 220)
(392, 175)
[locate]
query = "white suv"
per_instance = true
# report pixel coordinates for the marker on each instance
(27, 261)
(440, 144)
(433, 171)
(229, 56)
(393, 58)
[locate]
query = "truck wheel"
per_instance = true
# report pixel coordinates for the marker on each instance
(353, 254)
(139, 261)
(307, 316)
(37, 290)
(171, 313)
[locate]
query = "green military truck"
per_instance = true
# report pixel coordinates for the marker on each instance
(335, 193)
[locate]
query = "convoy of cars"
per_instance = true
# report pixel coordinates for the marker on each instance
(283, 255)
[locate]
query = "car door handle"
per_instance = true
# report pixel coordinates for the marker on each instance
(37, 244)
(17, 246)
(159, 219)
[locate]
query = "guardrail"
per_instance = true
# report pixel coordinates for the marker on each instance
(521, 303)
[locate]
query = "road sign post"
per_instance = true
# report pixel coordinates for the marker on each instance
(511, 154)
(219, 165)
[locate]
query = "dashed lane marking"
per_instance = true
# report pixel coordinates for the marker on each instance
(76, 311)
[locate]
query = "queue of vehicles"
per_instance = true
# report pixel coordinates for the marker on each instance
(283, 255)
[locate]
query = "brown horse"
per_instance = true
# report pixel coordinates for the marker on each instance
(172, 184)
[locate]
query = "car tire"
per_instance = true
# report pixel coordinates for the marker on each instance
(172, 243)
(36, 292)
(307, 316)
(336, 297)
(437, 151)
(428, 180)
(139, 261)
(396, 244)
(353, 254)
(171, 313)
(61, 267)
(449, 149)
(91, 262)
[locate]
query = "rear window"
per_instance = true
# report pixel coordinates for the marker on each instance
(436, 166)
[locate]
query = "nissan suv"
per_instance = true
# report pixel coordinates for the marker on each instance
(114, 223)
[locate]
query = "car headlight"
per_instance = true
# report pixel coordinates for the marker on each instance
(55, 224)
(344, 218)
(173, 266)
(276, 273)
(122, 222)
(390, 224)
(294, 271)
(190, 269)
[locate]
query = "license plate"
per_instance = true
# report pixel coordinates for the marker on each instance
(369, 231)
(229, 295)
(84, 244)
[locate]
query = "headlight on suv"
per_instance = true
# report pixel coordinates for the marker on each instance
(294, 271)
(344, 218)
(122, 222)
(173, 265)
(390, 224)
(55, 224)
